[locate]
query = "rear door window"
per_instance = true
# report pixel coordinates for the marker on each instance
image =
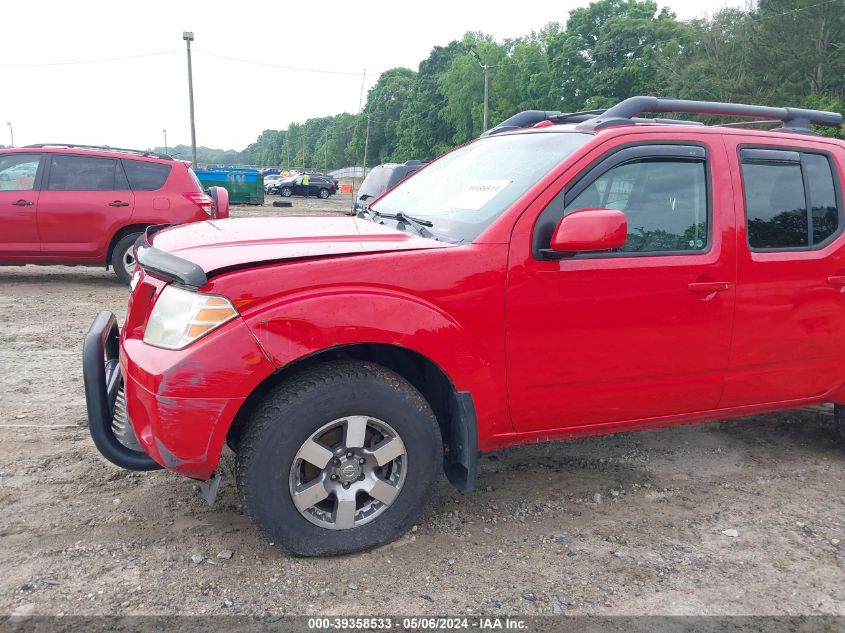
(85, 173)
(145, 176)
(791, 199)
(823, 207)
(18, 171)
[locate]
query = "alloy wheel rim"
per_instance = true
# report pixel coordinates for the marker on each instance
(129, 262)
(348, 472)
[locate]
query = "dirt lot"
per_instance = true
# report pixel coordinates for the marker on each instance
(629, 524)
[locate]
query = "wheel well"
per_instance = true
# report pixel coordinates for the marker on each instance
(454, 410)
(126, 230)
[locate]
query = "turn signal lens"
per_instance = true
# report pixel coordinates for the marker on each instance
(180, 317)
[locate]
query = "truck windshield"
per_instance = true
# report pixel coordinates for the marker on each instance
(463, 192)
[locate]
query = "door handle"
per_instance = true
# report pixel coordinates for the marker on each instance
(22, 203)
(836, 280)
(708, 286)
(118, 203)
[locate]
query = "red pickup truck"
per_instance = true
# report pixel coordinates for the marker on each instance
(563, 275)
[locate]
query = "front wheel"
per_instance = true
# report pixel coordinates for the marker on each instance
(123, 257)
(338, 459)
(286, 192)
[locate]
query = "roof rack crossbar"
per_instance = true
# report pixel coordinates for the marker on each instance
(104, 148)
(794, 119)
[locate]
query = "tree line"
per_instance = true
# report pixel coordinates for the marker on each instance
(779, 52)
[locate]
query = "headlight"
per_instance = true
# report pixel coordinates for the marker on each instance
(180, 317)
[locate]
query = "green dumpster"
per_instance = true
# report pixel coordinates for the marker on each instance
(245, 186)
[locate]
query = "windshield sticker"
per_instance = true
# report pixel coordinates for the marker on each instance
(476, 195)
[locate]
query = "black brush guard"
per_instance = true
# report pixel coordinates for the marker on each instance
(101, 373)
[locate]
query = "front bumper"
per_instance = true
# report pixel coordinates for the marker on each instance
(181, 403)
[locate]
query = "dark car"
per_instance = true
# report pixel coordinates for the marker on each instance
(383, 178)
(319, 186)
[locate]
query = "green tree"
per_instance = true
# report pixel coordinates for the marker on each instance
(385, 102)
(422, 131)
(612, 50)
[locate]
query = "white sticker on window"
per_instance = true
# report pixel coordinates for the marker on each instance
(477, 194)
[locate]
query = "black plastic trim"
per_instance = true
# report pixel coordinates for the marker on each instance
(757, 154)
(461, 462)
(165, 264)
(521, 120)
(102, 378)
(794, 119)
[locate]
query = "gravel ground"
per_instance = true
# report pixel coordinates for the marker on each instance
(733, 517)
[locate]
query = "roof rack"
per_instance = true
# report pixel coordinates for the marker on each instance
(102, 148)
(532, 117)
(796, 120)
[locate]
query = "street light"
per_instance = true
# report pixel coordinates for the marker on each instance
(11, 132)
(485, 68)
(165, 142)
(188, 36)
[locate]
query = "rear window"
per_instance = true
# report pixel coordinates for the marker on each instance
(145, 176)
(790, 199)
(85, 173)
(376, 182)
(195, 179)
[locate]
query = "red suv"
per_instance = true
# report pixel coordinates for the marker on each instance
(564, 275)
(71, 204)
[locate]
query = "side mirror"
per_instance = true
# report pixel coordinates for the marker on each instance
(588, 230)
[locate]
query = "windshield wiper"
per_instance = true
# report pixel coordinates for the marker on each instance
(407, 219)
(419, 224)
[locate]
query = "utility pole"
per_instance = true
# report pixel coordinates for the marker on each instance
(188, 36)
(11, 132)
(165, 142)
(486, 69)
(355, 131)
(486, 73)
(366, 144)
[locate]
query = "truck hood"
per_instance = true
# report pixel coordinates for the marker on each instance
(220, 245)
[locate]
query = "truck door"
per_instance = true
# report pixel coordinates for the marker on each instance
(640, 332)
(790, 303)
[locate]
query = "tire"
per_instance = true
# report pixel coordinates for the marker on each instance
(123, 257)
(324, 193)
(286, 192)
(270, 466)
(839, 421)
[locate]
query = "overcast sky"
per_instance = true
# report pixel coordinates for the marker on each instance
(48, 97)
